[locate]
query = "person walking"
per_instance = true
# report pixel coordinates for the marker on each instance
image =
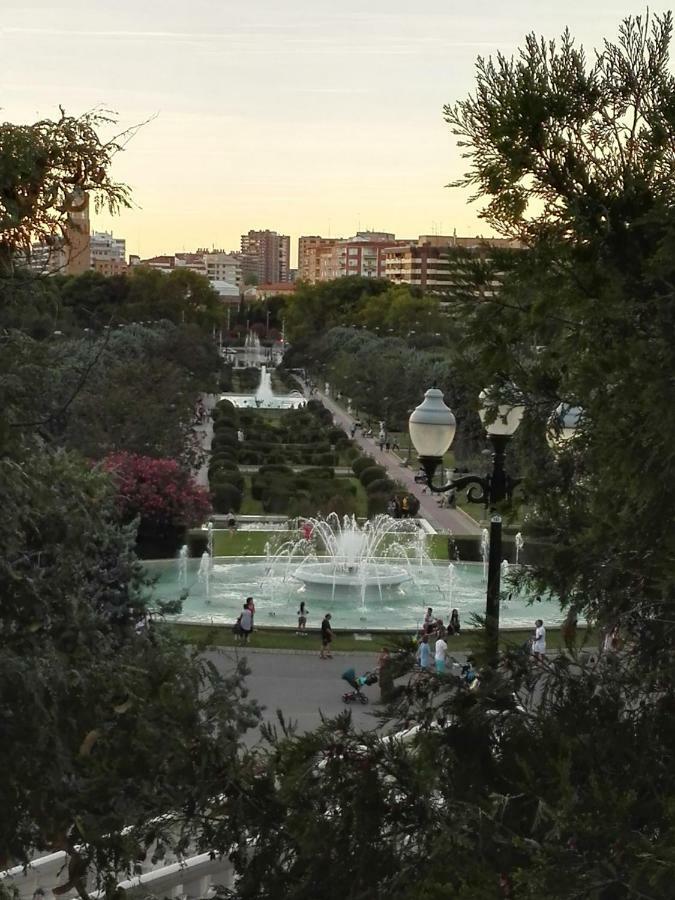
(440, 653)
(539, 641)
(302, 618)
(424, 653)
(326, 637)
(246, 623)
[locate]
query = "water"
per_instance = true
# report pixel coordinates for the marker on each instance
(485, 551)
(217, 596)
(264, 397)
(183, 555)
(519, 543)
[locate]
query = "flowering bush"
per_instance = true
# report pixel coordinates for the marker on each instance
(158, 490)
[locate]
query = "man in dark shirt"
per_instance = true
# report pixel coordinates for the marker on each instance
(326, 638)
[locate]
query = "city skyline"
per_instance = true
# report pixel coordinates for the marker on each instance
(303, 119)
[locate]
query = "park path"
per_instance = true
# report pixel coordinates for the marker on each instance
(453, 521)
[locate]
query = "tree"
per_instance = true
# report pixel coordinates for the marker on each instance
(576, 159)
(46, 171)
(114, 735)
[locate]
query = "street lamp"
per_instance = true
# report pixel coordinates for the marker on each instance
(432, 430)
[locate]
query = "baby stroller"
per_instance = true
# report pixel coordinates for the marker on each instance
(357, 682)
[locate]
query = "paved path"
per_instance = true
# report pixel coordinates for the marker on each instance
(301, 685)
(454, 521)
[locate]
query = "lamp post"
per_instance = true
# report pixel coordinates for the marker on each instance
(432, 427)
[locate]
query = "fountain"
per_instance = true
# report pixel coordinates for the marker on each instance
(505, 566)
(183, 554)
(376, 572)
(264, 397)
(204, 574)
(485, 551)
(520, 543)
(355, 556)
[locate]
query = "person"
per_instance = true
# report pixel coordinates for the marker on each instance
(454, 622)
(326, 637)
(539, 640)
(428, 624)
(440, 652)
(391, 508)
(307, 530)
(387, 445)
(395, 446)
(405, 507)
(231, 522)
(424, 653)
(302, 618)
(246, 623)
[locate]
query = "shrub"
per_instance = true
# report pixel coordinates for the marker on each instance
(226, 457)
(276, 469)
(318, 472)
(226, 497)
(361, 463)
(377, 503)
(381, 486)
(223, 441)
(335, 435)
(276, 501)
(159, 491)
(226, 476)
(370, 474)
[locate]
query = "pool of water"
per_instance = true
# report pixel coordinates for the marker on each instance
(277, 596)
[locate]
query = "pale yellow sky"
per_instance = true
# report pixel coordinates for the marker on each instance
(306, 117)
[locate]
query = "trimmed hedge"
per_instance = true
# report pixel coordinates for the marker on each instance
(372, 473)
(381, 486)
(363, 462)
(226, 498)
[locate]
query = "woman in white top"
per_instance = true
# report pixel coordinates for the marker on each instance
(539, 640)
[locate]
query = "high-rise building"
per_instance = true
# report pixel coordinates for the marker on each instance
(266, 256)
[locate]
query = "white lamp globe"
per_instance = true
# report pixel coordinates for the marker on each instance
(563, 424)
(432, 425)
(498, 418)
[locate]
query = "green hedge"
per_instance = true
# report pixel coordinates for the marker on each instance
(226, 498)
(372, 473)
(381, 486)
(361, 463)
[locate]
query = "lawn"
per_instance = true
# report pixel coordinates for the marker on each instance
(278, 639)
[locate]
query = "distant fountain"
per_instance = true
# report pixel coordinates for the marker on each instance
(183, 554)
(520, 543)
(485, 551)
(264, 395)
(505, 566)
(209, 541)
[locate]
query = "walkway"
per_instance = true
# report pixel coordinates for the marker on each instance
(454, 521)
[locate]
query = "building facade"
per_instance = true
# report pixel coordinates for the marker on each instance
(323, 259)
(430, 264)
(266, 256)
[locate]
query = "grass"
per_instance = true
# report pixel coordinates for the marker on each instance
(252, 543)
(278, 639)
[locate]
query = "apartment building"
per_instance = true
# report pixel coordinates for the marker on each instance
(108, 253)
(223, 266)
(266, 256)
(323, 259)
(429, 263)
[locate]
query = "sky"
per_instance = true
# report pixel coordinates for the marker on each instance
(302, 116)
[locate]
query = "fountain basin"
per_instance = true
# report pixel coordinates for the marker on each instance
(345, 575)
